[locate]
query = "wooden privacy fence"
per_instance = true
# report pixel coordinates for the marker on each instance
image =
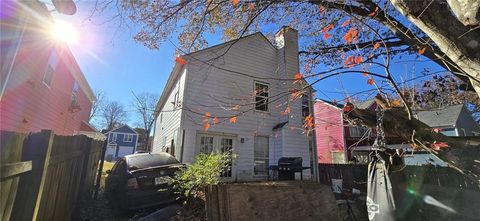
(355, 176)
(45, 176)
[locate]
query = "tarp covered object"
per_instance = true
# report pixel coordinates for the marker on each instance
(380, 202)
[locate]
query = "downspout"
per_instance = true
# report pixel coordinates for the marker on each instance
(314, 142)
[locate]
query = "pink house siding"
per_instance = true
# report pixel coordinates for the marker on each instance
(329, 131)
(28, 104)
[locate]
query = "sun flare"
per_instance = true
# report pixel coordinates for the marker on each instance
(63, 31)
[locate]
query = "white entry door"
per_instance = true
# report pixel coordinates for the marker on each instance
(209, 143)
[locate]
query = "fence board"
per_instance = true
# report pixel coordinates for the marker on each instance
(10, 152)
(61, 174)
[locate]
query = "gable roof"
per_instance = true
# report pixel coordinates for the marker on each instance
(447, 116)
(364, 104)
(178, 68)
(334, 104)
(123, 129)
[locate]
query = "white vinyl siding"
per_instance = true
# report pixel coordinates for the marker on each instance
(167, 126)
(213, 90)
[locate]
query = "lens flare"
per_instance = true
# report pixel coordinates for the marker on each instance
(63, 31)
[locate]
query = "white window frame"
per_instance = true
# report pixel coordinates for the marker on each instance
(267, 98)
(114, 137)
(50, 68)
(217, 147)
(127, 137)
(263, 158)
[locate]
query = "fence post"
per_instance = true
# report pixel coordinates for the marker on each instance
(87, 146)
(37, 148)
(100, 168)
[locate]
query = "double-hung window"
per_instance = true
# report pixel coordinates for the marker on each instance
(127, 138)
(261, 97)
(50, 70)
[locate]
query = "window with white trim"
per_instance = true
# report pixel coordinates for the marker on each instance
(260, 156)
(50, 69)
(305, 106)
(261, 97)
(114, 137)
(128, 138)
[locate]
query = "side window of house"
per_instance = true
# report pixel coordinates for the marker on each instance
(305, 106)
(114, 137)
(74, 97)
(50, 69)
(261, 96)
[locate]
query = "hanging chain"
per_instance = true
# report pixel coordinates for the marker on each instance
(380, 139)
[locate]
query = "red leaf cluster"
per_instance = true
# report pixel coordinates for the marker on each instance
(180, 60)
(352, 60)
(351, 35)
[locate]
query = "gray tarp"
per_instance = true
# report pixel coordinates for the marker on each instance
(380, 202)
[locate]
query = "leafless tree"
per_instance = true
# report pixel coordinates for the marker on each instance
(144, 106)
(113, 114)
(97, 106)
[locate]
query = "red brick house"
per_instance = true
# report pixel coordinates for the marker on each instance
(42, 85)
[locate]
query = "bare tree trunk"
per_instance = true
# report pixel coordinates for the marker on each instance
(459, 42)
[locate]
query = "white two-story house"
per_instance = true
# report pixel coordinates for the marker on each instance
(238, 96)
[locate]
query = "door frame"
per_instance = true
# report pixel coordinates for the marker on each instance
(216, 147)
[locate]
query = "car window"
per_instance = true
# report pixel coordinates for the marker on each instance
(121, 167)
(150, 160)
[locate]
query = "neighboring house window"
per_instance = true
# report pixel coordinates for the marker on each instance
(175, 100)
(261, 96)
(74, 105)
(357, 131)
(114, 137)
(127, 138)
(338, 157)
(260, 156)
(449, 131)
(50, 70)
(305, 106)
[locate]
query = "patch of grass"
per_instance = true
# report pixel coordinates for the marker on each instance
(106, 166)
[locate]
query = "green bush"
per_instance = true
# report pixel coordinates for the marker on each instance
(204, 172)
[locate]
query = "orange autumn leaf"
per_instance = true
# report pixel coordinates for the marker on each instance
(326, 36)
(345, 23)
(347, 108)
(206, 126)
(376, 46)
(351, 35)
(365, 74)
(236, 107)
(322, 9)
(233, 120)
(298, 76)
(422, 50)
(216, 120)
(327, 28)
(373, 13)
(358, 59)
(287, 111)
(370, 81)
(180, 60)
(438, 145)
(396, 103)
(207, 115)
(251, 6)
(235, 2)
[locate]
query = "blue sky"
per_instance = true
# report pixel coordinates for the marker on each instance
(113, 62)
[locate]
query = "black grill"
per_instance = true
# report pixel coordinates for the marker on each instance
(288, 166)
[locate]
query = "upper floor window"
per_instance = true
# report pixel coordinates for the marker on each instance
(261, 96)
(51, 66)
(74, 105)
(128, 138)
(305, 106)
